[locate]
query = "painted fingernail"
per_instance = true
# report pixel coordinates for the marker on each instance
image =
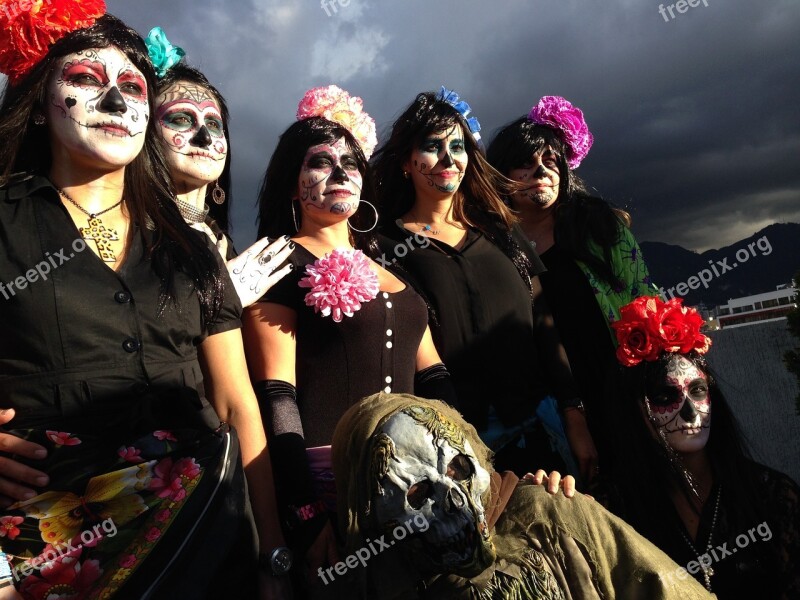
(291, 267)
(40, 453)
(42, 480)
(292, 245)
(286, 237)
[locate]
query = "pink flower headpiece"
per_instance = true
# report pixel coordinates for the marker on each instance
(649, 326)
(339, 283)
(335, 104)
(558, 113)
(28, 29)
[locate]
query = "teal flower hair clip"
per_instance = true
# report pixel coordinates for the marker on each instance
(463, 109)
(163, 55)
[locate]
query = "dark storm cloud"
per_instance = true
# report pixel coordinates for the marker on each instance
(695, 120)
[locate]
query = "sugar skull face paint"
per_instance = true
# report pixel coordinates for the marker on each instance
(97, 108)
(439, 161)
(681, 406)
(330, 181)
(541, 176)
(190, 121)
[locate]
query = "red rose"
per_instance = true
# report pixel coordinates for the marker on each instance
(669, 325)
(635, 344)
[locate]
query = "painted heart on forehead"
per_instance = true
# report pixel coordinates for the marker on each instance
(97, 106)
(423, 465)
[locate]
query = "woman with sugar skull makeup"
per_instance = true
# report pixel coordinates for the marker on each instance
(192, 118)
(112, 418)
(341, 326)
(688, 486)
(490, 321)
(594, 265)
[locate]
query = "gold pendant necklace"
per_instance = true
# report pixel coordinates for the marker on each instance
(96, 231)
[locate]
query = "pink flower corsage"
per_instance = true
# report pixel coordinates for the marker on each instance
(339, 282)
(335, 104)
(558, 113)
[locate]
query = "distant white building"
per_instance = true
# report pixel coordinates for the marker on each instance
(748, 310)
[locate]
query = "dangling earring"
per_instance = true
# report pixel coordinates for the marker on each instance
(294, 219)
(39, 119)
(218, 194)
(374, 225)
(406, 174)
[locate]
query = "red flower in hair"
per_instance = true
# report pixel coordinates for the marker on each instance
(649, 326)
(26, 35)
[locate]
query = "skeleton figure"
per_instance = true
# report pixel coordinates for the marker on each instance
(424, 466)
(415, 483)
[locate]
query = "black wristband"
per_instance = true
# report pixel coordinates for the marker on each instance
(434, 383)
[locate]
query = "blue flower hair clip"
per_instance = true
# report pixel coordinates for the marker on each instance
(163, 55)
(463, 109)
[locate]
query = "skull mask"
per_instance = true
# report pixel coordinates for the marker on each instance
(429, 482)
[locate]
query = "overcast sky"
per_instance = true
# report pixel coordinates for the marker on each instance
(695, 118)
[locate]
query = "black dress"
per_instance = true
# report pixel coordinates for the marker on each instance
(340, 363)
(759, 559)
(584, 332)
(108, 382)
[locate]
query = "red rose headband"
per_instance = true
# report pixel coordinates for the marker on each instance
(557, 113)
(649, 326)
(26, 34)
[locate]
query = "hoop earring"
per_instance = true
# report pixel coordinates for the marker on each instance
(294, 219)
(374, 225)
(39, 119)
(218, 194)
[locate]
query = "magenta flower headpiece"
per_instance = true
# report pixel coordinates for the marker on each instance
(335, 104)
(339, 282)
(558, 113)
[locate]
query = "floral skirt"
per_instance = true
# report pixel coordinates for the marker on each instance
(131, 519)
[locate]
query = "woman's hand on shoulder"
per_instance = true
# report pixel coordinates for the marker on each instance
(552, 482)
(14, 476)
(254, 272)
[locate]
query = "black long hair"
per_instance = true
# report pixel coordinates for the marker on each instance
(147, 188)
(642, 473)
(580, 218)
(220, 213)
(478, 202)
(275, 217)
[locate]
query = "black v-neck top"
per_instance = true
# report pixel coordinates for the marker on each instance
(83, 346)
(484, 329)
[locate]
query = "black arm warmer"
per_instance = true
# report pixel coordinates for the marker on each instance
(434, 383)
(277, 401)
